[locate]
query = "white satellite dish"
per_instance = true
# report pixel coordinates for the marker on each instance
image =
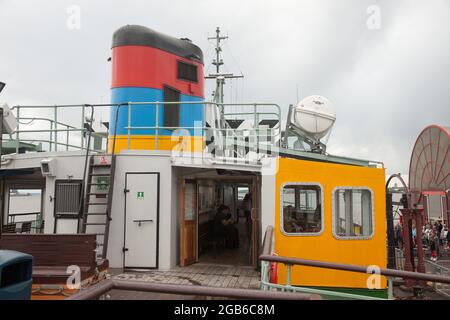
(315, 116)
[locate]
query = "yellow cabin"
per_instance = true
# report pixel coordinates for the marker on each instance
(343, 209)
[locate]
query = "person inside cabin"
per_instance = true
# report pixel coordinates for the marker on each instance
(247, 207)
(224, 227)
(317, 226)
(291, 224)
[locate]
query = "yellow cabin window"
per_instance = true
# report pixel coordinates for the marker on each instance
(302, 212)
(352, 213)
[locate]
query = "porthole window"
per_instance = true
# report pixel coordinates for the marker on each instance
(353, 213)
(301, 209)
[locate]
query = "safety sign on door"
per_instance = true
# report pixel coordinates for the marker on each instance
(140, 195)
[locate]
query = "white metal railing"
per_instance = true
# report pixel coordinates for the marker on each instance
(439, 269)
(35, 128)
(267, 285)
(228, 142)
(224, 133)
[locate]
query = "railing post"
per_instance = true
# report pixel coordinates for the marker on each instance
(420, 260)
(390, 232)
(129, 126)
(82, 126)
(263, 275)
(18, 130)
(255, 114)
(390, 288)
(279, 126)
(288, 276)
(407, 244)
(50, 140)
(157, 124)
(56, 127)
(67, 138)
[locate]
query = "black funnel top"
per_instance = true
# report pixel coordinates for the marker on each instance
(134, 35)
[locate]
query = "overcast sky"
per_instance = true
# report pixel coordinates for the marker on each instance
(388, 77)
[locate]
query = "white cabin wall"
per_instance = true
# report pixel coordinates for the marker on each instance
(66, 167)
(268, 192)
(133, 162)
(68, 164)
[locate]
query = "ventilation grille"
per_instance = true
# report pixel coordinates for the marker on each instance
(67, 198)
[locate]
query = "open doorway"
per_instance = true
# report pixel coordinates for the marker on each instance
(435, 205)
(24, 211)
(219, 221)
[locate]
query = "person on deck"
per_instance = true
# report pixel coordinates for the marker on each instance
(426, 235)
(224, 227)
(397, 235)
(433, 244)
(448, 238)
(439, 228)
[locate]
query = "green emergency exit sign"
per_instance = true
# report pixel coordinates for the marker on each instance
(140, 195)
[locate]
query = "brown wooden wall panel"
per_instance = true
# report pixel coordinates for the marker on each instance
(54, 249)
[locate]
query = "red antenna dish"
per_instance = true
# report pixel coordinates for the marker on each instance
(429, 169)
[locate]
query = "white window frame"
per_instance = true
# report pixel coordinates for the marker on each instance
(301, 234)
(334, 212)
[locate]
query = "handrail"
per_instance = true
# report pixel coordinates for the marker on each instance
(58, 143)
(355, 268)
(45, 119)
(442, 289)
(262, 134)
(266, 249)
(97, 290)
(23, 214)
(53, 131)
(267, 256)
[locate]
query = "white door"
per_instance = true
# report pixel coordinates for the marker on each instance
(141, 220)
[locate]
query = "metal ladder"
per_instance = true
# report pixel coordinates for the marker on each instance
(98, 200)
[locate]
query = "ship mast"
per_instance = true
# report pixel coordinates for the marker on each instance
(219, 76)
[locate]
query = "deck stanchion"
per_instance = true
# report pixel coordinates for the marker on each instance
(56, 126)
(129, 126)
(18, 130)
(67, 139)
(407, 240)
(417, 213)
(82, 126)
(157, 124)
(288, 276)
(50, 139)
(390, 288)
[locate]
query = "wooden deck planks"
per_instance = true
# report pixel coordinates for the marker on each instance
(200, 274)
